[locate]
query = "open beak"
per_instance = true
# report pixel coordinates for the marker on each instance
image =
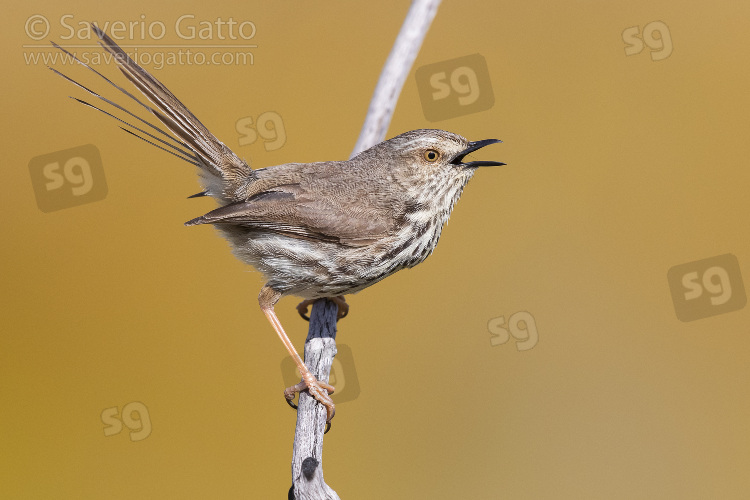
(473, 146)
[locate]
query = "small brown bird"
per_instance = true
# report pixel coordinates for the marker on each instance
(313, 230)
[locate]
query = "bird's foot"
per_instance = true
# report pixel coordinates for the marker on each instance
(343, 306)
(303, 306)
(339, 300)
(317, 390)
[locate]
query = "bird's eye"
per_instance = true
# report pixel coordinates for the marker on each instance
(431, 155)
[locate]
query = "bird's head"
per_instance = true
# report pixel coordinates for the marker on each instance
(430, 164)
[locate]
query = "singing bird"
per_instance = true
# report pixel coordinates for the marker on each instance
(313, 230)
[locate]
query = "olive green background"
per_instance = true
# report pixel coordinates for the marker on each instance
(619, 168)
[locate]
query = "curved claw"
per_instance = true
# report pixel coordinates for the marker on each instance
(343, 311)
(316, 389)
(289, 393)
(302, 308)
(343, 306)
(328, 423)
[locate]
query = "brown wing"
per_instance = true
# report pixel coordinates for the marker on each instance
(291, 210)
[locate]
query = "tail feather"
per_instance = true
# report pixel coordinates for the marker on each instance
(177, 117)
(183, 155)
(157, 146)
(191, 141)
(114, 104)
(124, 91)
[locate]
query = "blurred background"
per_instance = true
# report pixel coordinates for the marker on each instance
(580, 331)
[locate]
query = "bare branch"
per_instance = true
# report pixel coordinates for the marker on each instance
(307, 459)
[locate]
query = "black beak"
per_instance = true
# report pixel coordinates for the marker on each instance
(473, 146)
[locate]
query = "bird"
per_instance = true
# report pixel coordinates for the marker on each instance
(313, 230)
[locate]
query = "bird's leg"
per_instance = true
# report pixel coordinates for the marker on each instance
(268, 298)
(339, 300)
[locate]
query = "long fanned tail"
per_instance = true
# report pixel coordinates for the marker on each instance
(226, 172)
